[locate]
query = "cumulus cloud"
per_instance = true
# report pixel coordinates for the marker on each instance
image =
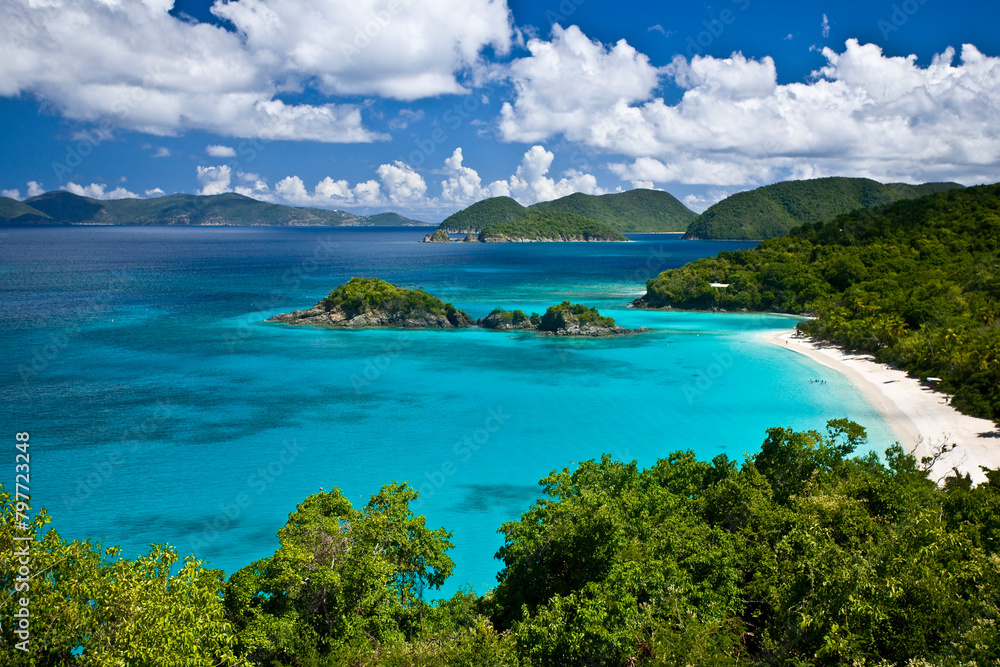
(565, 82)
(214, 180)
(215, 150)
(399, 186)
(98, 191)
(531, 182)
(155, 192)
(862, 114)
(162, 151)
(464, 185)
(13, 194)
(131, 64)
(34, 189)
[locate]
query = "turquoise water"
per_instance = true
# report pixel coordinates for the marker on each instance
(163, 408)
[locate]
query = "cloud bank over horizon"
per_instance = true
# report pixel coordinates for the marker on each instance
(379, 75)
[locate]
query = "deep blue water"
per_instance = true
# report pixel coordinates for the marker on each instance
(163, 408)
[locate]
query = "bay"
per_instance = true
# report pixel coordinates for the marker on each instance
(163, 408)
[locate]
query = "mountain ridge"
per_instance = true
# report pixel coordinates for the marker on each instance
(59, 207)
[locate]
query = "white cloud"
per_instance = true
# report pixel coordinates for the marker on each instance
(155, 192)
(400, 49)
(404, 118)
(464, 186)
(863, 114)
(162, 151)
(214, 180)
(34, 189)
(401, 184)
(566, 82)
(826, 26)
(13, 194)
(400, 187)
(215, 150)
(97, 191)
(532, 184)
(130, 64)
(698, 203)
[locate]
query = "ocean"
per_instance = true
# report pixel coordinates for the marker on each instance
(163, 408)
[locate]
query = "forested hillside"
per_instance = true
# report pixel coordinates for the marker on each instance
(917, 283)
(772, 210)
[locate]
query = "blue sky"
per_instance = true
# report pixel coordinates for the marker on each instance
(424, 107)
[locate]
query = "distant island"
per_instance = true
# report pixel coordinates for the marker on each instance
(915, 283)
(366, 303)
(773, 210)
(633, 211)
(229, 209)
(538, 226)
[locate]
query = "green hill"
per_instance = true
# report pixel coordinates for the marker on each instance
(772, 210)
(482, 213)
(633, 211)
(60, 207)
(917, 283)
(550, 226)
(390, 219)
(13, 212)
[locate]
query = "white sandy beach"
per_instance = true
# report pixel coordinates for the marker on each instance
(921, 418)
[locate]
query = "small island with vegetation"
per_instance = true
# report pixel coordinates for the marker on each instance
(564, 319)
(364, 303)
(371, 302)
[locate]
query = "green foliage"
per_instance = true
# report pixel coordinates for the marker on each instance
(773, 210)
(361, 295)
(555, 317)
(117, 611)
(637, 210)
(916, 283)
(482, 214)
(343, 579)
(551, 225)
(802, 556)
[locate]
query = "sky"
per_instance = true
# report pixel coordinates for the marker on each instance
(426, 106)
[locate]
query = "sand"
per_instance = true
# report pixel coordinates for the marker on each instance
(921, 418)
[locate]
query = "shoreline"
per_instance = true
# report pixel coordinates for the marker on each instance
(921, 417)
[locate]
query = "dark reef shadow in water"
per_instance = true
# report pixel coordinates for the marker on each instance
(512, 499)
